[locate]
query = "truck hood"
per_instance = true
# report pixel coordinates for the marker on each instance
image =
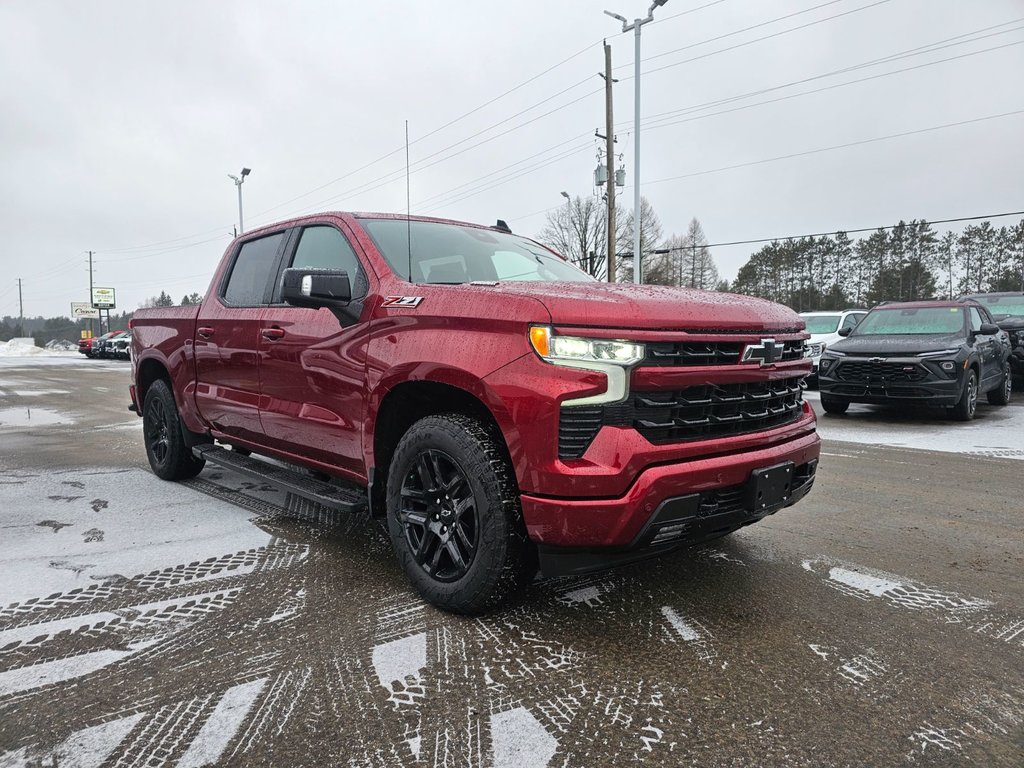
(898, 345)
(1009, 322)
(651, 307)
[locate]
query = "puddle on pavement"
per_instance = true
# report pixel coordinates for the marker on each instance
(32, 417)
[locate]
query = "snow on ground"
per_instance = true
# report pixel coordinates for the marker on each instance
(26, 347)
(64, 530)
(996, 431)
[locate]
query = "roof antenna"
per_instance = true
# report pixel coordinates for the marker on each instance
(408, 207)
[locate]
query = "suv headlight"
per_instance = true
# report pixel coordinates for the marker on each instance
(608, 356)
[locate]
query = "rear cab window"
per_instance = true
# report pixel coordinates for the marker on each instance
(251, 272)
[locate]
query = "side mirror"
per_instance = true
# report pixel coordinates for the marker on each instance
(315, 287)
(845, 331)
(988, 329)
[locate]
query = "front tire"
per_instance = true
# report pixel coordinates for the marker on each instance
(1001, 394)
(454, 516)
(168, 454)
(968, 402)
(834, 405)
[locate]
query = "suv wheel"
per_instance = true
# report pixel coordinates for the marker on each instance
(834, 405)
(454, 515)
(169, 456)
(968, 402)
(1001, 394)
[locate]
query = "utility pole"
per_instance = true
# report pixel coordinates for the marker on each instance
(610, 156)
(21, 311)
(91, 328)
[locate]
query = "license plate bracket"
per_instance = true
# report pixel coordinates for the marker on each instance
(770, 487)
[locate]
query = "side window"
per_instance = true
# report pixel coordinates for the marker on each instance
(851, 320)
(326, 248)
(247, 285)
(975, 319)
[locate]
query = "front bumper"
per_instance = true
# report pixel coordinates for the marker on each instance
(932, 391)
(620, 525)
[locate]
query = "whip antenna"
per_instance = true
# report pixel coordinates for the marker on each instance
(408, 220)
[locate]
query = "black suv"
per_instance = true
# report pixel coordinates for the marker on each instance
(1008, 311)
(942, 353)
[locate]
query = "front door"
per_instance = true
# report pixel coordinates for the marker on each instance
(227, 340)
(313, 362)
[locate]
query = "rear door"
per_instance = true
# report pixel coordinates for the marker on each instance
(313, 361)
(227, 339)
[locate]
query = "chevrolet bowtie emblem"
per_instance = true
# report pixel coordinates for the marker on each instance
(766, 353)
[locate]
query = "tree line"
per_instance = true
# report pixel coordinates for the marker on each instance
(906, 262)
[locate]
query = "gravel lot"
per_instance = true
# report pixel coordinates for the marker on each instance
(879, 622)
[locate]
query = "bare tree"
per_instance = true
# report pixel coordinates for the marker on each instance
(577, 231)
(654, 265)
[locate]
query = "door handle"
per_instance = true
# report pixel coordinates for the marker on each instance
(272, 334)
(204, 331)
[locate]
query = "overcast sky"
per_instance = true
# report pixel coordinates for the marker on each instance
(121, 120)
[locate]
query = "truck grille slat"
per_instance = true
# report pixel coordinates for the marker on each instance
(696, 413)
(684, 354)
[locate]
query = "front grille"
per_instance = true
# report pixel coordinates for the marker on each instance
(695, 413)
(682, 354)
(859, 370)
(577, 428)
(686, 353)
(713, 410)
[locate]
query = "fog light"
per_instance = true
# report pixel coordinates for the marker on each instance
(948, 366)
(825, 364)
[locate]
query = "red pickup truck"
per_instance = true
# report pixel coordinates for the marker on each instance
(501, 409)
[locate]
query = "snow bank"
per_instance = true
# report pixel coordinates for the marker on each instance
(26, 347)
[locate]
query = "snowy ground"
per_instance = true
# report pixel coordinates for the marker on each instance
(220, 621)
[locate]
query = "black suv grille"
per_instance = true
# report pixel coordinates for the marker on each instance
(859, 370)
(682, 354)
(694, 413)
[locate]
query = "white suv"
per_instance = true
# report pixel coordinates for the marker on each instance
(824, 329)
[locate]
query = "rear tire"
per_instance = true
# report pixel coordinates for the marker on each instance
(454, 516)
(1001, 394)
(834, 405)
(968, 402)
(168, 454)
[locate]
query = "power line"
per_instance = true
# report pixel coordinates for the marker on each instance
(837, 146)
(862, 229)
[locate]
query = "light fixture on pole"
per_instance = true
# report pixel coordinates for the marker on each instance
(239, 180)
(635, 26)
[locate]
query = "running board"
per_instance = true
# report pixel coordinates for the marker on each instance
(347, 498)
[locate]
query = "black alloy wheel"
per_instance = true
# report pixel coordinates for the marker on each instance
(968, 402)
(169, 455)
(454, 516)
(439, 516)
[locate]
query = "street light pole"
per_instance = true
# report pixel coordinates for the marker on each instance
(239, 180)
(626, 27)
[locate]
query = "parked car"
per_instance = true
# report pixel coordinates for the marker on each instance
(500, 408)
(824, 328)
(943, 353)
(91, 347)
(119, 345)
(106, 346)
(1008, 311)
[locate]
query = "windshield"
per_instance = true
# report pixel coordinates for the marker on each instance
(922, 320)
(450, 254)
(1003, 305)
(822, 323)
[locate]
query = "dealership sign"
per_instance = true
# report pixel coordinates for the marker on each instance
(82, 310)
(103, 298)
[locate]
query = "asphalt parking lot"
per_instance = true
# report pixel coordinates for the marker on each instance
(879, 622)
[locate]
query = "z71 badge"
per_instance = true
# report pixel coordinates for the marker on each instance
(402, 301)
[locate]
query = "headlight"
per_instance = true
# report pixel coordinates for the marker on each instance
(940, 353)
(556, 349)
